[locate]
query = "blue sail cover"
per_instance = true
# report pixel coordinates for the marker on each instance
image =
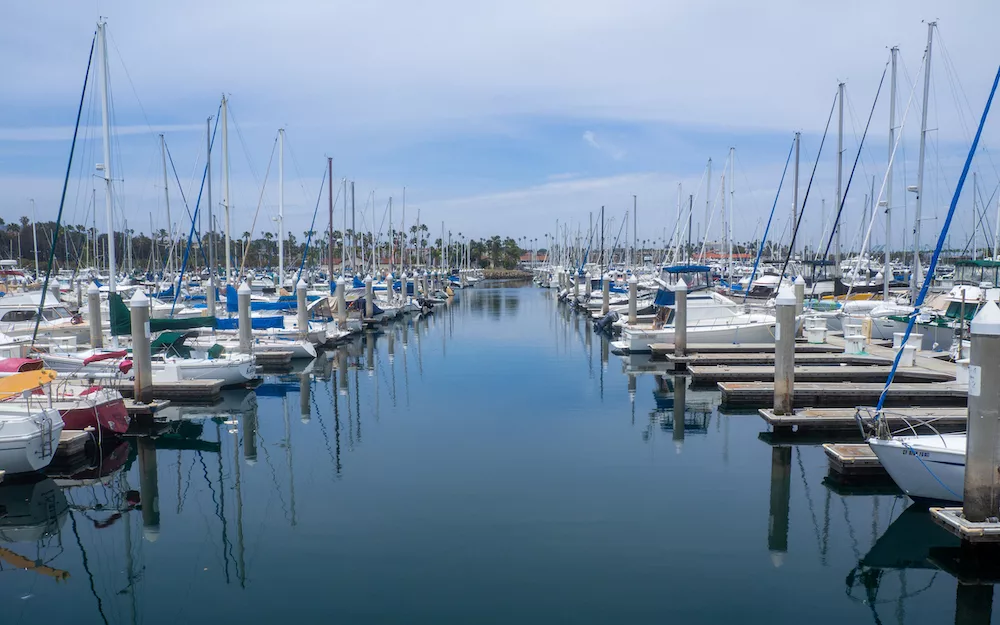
(358, 283)
(167, 294)
(233, 305)
(664, 297)
(397, 286)
(257, 323)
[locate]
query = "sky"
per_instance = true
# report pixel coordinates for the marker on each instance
(498, 118)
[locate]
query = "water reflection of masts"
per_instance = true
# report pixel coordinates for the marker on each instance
(392, 362)
(357, 401)
(221, 512)
(86, 567)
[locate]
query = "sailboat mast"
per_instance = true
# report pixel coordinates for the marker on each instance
(392, 243)
(106, 166)
(329, 231)
(917, 272)
(732, 200)
(210, 295)
(840, 176)
(354, 233)
(343, 236)
(166, 197)
(887, 269)
(225, 188)
(281, 209)
(34, 235)
(795, 187)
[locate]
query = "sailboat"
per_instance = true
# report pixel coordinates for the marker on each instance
(932, 467)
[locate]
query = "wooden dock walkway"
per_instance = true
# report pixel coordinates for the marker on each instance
(843, 418)
(660, 350)
(767, 358)
(821, 373)
(853, 459)
(181, 391)
(842, 394)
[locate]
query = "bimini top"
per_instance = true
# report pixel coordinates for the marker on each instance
(686, 268)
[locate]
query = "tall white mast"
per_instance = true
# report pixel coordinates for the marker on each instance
(343, 237)
(795, 188)
(732, 199)
(917, 272)
(840, 176)
(34, 236)
(887, 269)
(166, 196)
(281, 209)
(106, 166)
(225, 188)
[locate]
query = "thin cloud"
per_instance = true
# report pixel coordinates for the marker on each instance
(613, 151)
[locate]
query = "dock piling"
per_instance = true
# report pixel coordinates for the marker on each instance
(784, 353)
(633, 297)
(141, 358)
(246, 333)
(341, 305)
(94, 316)
(800, 294)
(302, 309)
(605, 294)
(680, 318)
(304, 391)
(781, 490)
(982, 479)
(576, 288)
(369, 292)
(79, 295)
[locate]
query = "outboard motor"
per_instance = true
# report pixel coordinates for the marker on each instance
(605, 323)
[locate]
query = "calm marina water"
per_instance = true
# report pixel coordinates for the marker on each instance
(491, 464)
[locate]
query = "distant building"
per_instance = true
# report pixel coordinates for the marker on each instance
(527, 260)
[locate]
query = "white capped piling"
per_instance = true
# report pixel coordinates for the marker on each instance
(210, 295)
(587, 286)
(982, 476)
(403, 287)
(680, 317)
(605, 294)
(79, 295)
(784, 352)
(576, 287)
(633, 300)
(781, 492)
(342, 372)
(370, 353)
(302, 308)
(141, 360)
(369, 294)
(94, 316)
(680, 400)
(149, 489)
(304, 390)
(246, 329)
(800, 294)
(341, 304)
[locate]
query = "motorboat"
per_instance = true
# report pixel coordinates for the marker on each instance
(927, 467)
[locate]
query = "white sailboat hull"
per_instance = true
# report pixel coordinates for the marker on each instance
(929, 472)
(28, 441)
(754, 328)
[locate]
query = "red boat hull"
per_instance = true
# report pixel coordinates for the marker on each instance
(110, 417)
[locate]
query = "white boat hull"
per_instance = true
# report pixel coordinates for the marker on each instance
(638, 340)
(924, 472)
(28, 441)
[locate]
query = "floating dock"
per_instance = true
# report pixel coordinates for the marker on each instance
(845, 394)
(843, 419)
(181, 391)
(274, 359)
(854, 460)
(767, 358)
(661, 350)
(136, 409)
(707, 374)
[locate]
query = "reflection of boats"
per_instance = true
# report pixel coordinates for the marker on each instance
(30, 512)
(908, 541)
(97, 470)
